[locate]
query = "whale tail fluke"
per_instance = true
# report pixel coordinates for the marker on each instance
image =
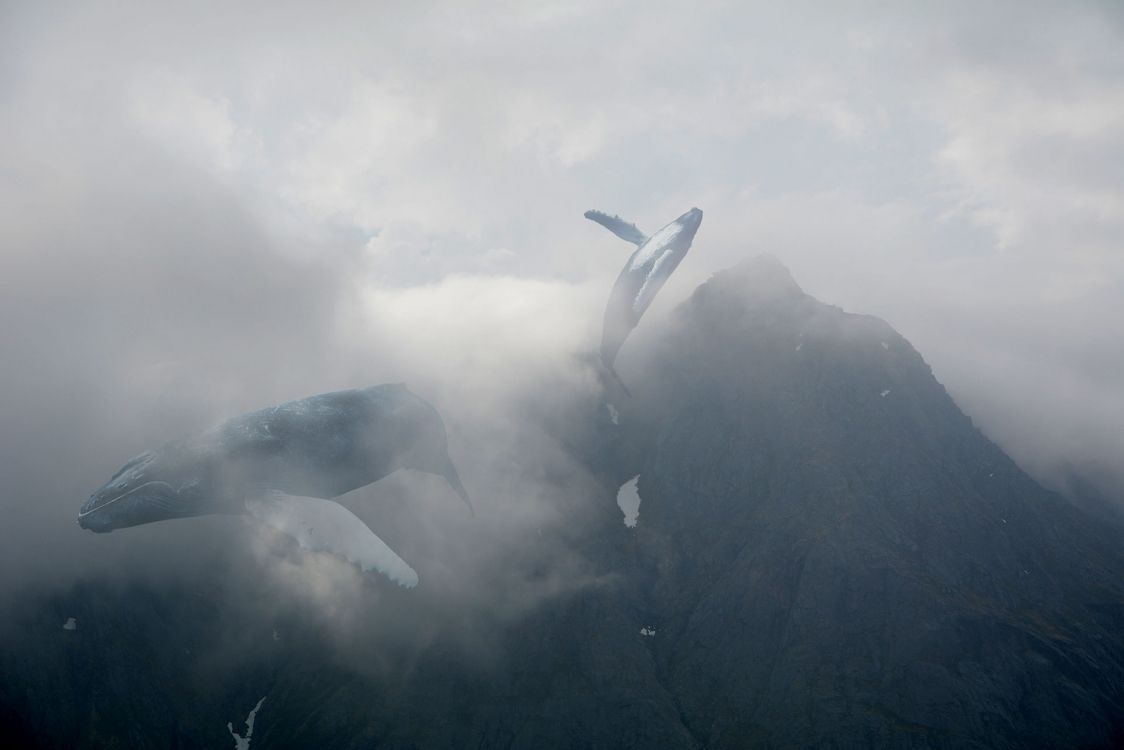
(617, 379)
(611, 379)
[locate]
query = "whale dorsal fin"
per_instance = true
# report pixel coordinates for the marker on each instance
(618, 226)
(325, 526)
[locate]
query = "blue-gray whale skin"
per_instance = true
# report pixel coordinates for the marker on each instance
(642, 277)
(321, 446)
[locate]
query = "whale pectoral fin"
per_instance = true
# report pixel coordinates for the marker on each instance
(618, 226)
(325, 526)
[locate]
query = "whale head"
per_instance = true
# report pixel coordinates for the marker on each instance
(150, 487)
(691, 220)
(669, 242)
(685, 227)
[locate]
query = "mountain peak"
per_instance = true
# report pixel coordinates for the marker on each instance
(759, 280)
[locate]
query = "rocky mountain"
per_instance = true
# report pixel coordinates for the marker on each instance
(841, 559)
(828, 554)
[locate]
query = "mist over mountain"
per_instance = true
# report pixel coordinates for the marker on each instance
(828, 553)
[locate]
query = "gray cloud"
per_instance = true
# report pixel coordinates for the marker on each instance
(207, 209)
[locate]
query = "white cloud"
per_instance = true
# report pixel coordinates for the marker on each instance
(1030, 163)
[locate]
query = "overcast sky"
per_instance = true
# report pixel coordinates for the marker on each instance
(204, 208)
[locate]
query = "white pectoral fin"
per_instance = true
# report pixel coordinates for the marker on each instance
(618, 226)
(326, 526)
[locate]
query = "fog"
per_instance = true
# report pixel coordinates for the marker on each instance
(207, 210)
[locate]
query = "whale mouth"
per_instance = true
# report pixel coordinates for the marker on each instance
(94, 516)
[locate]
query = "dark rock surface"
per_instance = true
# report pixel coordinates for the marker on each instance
(829, 552)
(841, 559)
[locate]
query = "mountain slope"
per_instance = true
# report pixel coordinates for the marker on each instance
(841, 559)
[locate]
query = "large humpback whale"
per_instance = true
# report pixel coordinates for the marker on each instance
(281, 465)
(642, 277)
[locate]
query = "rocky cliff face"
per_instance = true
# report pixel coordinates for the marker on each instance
(839, 558)
(828, 554)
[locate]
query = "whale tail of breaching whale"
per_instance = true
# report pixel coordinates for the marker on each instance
(610, 378)
(617, 379)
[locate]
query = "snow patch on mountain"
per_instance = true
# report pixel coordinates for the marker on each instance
(628, 499)
(240, 742)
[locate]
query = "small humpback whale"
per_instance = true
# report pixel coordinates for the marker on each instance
(282, 465)
(642, 277)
